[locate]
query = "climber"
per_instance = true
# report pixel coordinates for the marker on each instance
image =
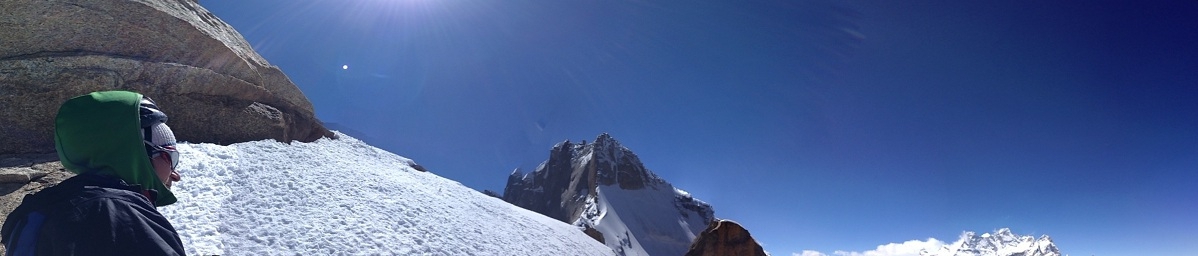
(125, 157)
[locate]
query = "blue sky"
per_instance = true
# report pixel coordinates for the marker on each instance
(817, 125)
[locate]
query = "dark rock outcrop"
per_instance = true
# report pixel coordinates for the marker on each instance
(490, 193)
(201, 71)
(725, 237)
(621, 166)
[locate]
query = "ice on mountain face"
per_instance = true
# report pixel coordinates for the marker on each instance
(1001, 243)
(682, 192)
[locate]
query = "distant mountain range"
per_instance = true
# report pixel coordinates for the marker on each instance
(1001, 243)
(604, 189)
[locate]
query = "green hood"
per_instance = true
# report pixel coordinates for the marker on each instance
(101, 132)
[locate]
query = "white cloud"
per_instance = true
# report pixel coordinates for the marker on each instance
(808, 253)
(908, 248)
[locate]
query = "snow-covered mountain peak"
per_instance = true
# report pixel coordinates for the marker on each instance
(1004, 234)
(1001, 243)
(603, 188)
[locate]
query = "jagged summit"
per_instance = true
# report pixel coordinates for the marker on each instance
(573, 172)
(605, 160)
(603, 188)
(1001, 243)
(516, 172)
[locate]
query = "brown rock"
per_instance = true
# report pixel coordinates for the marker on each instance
(593, 233)
(200, 71)
(725, 237)
(20, 175)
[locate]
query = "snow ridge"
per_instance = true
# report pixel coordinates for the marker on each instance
(1001, 243)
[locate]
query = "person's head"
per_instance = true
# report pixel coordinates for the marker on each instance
(159, 142)
(120, 134)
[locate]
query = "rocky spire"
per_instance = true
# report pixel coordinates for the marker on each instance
(613, 163)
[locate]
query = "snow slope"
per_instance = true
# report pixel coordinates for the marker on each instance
(657, 219)
(333, 197)
(644, 222)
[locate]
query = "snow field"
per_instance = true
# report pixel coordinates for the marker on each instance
(646, 220)
(344, 197)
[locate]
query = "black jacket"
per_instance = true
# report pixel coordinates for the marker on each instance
(90, 215)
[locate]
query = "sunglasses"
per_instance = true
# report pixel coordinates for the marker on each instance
(168, 150)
